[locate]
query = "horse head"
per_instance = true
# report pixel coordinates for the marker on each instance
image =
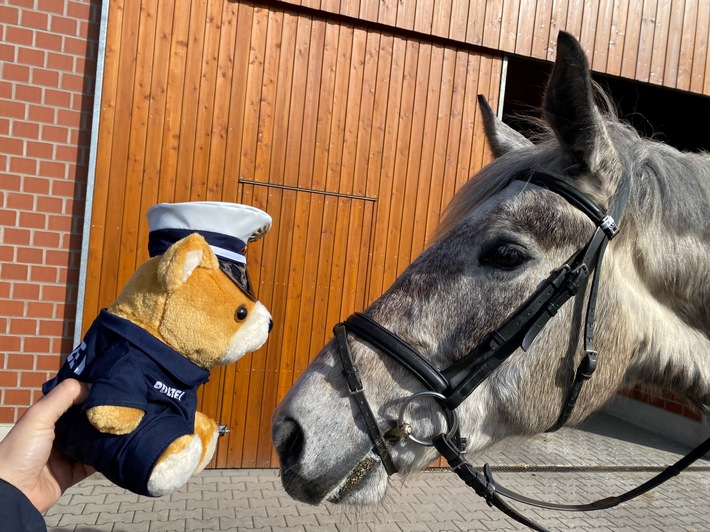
(497, 243)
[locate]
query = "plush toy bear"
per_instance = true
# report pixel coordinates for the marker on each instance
(185, 310)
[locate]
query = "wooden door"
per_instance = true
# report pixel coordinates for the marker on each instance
(353, 138)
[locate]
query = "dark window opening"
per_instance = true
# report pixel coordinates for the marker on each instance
(672, 116)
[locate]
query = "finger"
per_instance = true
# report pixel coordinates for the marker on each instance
(51, 407)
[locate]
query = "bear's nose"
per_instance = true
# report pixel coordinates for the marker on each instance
(271, 324)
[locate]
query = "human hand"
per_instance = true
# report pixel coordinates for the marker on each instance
(27, 460)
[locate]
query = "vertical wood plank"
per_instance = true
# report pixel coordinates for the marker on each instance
(598, 59)
(688, 45)
(632, 38)
(460, 18)
(424, 16)
(575, 12)
(660, 42)
(558, 22)
(700, 56)
(646, 38)
(508, 26)
(523, 39)
(541, 32)
(617, 34)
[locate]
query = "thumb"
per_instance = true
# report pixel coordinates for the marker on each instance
(50, 408)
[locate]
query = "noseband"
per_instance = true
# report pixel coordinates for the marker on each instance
(451, 386)
(454, 384)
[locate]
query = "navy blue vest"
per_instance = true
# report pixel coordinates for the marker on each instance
(127, 366)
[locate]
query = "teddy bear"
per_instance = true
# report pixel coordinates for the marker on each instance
(186, 309)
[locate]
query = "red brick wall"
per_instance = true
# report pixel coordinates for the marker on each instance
(48, 51)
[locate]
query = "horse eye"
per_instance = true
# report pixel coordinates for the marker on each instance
(503, 256)
(241, 313)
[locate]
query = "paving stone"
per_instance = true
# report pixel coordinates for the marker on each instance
(433, 501)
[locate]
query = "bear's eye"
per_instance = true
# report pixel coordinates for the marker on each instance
(241, 313)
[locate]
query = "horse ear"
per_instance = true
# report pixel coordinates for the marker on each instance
(501, 136)
(570, 110)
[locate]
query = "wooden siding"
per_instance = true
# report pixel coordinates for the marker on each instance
(353, 138)
(664, 42)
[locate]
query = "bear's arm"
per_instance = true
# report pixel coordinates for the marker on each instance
(117, 402)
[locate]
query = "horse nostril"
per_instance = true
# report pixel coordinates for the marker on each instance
(288, 441)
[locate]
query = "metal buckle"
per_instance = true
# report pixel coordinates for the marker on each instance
(407, 427)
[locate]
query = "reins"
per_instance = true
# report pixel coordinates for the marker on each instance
(451, 386)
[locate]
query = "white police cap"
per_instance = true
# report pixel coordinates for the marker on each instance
(227, 227)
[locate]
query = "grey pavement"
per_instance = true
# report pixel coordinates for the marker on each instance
(604, 457)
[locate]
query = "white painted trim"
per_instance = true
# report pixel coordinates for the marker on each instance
(91, 176)
(672, 426)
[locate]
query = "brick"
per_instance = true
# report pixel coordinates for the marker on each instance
(19, 35)
(34, 19)
(13, 146)
(33, 220)
(55, 134)
(23, 165)
(7, 414)
(10, 16)
(20, 361)
(45, 77)
(15, 72)
(9, 379)
(28, 130)
(52, 169)
(8, 217)
(30, 255)
(48, 41)
(51, 327)
(45, 239)
(16, 397)
(41, 113)
(37, 345)
(35, 185)
(40, 309)
(31, 56)
(66, 153)
(18, 272)
(5, 287)
(49, 204)
(14, 109)
(43, 274)
(14, 236)
(48, 362)
(50, 6)
(39, 150)
(6, 90)
(78, 10)
(54, 292)
(63, 62)
(32, 379)
(67, 118)
(75, 46)
(26, 291)
(13, 308)
(63, 25)
(59, 222)
(29, 94)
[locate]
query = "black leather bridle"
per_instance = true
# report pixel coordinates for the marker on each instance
(451, 386)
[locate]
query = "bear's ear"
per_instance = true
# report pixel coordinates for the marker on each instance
(181, 259)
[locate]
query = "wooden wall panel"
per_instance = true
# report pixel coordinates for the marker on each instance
(352, 122)
(351, 137)
(662, 36)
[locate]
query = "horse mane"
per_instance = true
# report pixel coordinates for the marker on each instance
(658, 172)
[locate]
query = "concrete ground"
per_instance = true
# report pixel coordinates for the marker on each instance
(605, 457)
